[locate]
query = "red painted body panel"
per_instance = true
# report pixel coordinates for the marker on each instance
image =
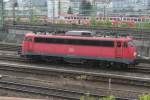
(61, 49)
(79, 50)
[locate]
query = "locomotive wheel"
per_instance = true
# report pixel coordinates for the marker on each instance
(119, 66)
(74, 60)
(52, 59)
(104, 65)
(124, 66)
(92, 63)
(29, 59)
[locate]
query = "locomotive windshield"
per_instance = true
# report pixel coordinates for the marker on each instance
(29, 39)
(131, 43)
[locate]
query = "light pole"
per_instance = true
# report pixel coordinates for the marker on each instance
(2, 14)
(14, 11)
(104, 10)
(94, 8)
(105, 7)
(59, 7)
(53, 10)
(30, 10)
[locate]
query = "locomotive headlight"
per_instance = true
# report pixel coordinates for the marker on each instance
(135, 53)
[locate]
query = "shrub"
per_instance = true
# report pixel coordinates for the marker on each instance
(18, 19)
(87, 97)
(124, 25)
(146, 25)
(93, 22)
(81, 77)
(108, 23)
(34, 20)
(108, 98)
(144, 97)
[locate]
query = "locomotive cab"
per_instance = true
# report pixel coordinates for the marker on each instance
(132, 50)
(125, 49)
(27, 45)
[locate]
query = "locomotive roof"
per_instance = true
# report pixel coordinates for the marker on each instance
(79, 33)
(78, 37)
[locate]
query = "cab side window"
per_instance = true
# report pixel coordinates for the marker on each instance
(118, 44)
(29, 39)
(131, 43)
(86, 34)
(125, 45)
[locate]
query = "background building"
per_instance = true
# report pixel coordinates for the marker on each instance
(53, 8)
(63, 6)
(26, 8)
(102, 7)
(75, 5)
(34, 2)
(130, 6)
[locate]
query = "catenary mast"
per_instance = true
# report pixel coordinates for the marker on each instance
(1, 14)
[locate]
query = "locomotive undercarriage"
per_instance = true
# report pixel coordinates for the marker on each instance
(107, 64)
(93, 63)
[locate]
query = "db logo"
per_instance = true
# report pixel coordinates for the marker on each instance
(71, 49)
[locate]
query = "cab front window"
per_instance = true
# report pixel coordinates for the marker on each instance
(131, 43)
(125, 45)
(29, 39)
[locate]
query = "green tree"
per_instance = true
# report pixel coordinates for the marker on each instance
(18, 19)
(93, 22)
(100, 23)
(85, 8)
(145, 97)
(108, 23)
(124, 25)
(70, 10)
(34, 20)
(146, 25)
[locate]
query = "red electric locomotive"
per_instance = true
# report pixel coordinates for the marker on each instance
(118, 51)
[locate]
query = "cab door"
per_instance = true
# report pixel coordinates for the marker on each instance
(125, 51)
(119, 51)
(29, 41)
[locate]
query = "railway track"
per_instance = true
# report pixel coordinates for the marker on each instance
(55, 27)
(9, 47)
(141, 68)
(60, 72)
(13, 56)
(45, 91)
(91, 76)
(121, 78)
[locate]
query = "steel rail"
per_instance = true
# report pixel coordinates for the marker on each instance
(127, 94)
(68, 27)
(13, 56)
(44, 91)
(10, 47)
(90, 75)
